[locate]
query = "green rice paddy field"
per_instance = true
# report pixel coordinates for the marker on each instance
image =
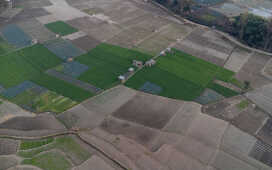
(106, 62)
(61, 28)
(181, 76)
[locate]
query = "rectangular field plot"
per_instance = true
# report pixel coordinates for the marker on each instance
(106, 62)
(24, 64)
(15, 36)
(73, 69)
(36, 30)
(63, 49)
(180, 76)
(161, 39)
(61, 87)
(61, 28)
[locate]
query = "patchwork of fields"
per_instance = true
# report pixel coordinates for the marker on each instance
(72, 61)
(26, 80)
(182, 76)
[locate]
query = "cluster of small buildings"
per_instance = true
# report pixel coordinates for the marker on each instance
(140, 64)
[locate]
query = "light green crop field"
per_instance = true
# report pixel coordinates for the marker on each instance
(31, 149)
(106, 62)
(35, 144)
(48, 101)
(61, 28)
(49, 161)
(180, 75)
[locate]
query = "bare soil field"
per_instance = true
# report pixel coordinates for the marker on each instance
(206, 45)
(252, 70)
(139, 133)
(8, 146)
(143, 108)
(86, 43)
(36, 30)
(41, 122)
(237, 59)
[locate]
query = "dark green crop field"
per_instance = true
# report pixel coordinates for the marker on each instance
(61, 28)
(106, 62)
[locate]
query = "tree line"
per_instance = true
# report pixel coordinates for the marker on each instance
(250, 29)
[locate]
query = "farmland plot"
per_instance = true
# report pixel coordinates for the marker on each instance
(180, 75)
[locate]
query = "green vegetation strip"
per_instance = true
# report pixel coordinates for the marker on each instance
(49, 161)
(106, 62)
(243, 104)
(61, 87)
(35, 144)
(223, 90)
(181, 76)
(46, 102)
(61, 28)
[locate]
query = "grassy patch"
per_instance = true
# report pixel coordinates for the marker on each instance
(46, 102)
(33, 152)
(106, 62)
(222, 90)
(49, 161)
(65, 144)
(243, 104)
(34, 144)
(61, 28)
(71, 148)
(180, 75)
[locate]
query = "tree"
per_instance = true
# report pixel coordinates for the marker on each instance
(185, 6)
(268, 38)
(243, 22)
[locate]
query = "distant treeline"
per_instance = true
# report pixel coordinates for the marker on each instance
(250, 29)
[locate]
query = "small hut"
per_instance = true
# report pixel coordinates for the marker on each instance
(137, 63)
(131, 69)
(122, 78)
